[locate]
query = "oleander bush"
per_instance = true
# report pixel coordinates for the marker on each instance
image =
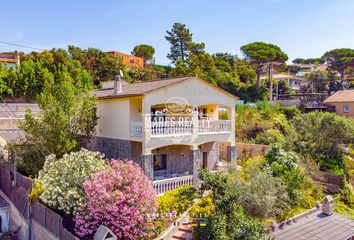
(61, 180)
(121, 198)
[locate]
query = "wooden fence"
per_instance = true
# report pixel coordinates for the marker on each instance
(17, 187)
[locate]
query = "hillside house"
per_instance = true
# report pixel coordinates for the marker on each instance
(129, 60)
(10, 59)
(171, 127)
(343, 101)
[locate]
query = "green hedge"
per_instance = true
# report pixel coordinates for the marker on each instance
(179, 200)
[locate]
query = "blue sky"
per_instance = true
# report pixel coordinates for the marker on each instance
(302, 28)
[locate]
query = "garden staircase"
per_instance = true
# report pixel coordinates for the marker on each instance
(183, 233)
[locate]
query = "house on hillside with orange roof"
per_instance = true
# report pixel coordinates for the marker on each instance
(171, 127)
(343, 101)
(129, 60)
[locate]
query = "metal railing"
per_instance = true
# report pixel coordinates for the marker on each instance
(165, 185)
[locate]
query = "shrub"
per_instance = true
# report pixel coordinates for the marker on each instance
(178, 199)
(285, 165)
(203, 208)
(346, 193)
(270, 137)
(62, 179)
(37, 190)
(263, 195)
(320, 134)
(120, 198)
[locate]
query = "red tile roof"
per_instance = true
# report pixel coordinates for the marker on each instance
(140, 88)
(8, 58)
(341, 96)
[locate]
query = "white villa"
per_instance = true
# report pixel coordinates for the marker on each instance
(171, 127)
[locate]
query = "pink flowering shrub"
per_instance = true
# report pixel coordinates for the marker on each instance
(120, 198)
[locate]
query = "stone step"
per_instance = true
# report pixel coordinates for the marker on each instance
(185, 229)
(181, 235)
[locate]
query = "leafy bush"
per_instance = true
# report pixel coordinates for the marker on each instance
(269, 137)
(320, 134)
(263, 195)
(346, 193)
(178, 199)
(264, 124)
(62, 179)
(203, 208)
(285, 165)
(29, 159)
(120, 198)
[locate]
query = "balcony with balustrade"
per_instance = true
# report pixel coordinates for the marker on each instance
(173, 128)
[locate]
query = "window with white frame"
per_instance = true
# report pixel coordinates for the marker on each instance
(346, 108)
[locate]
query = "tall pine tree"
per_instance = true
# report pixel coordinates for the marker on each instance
(181, 42)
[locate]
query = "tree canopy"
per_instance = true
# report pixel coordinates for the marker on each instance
(102, 66)
(260, 53)
(145, 51)
(182, 43)
(340, 59)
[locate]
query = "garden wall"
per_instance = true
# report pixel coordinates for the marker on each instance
(247, 150)
(45, 223)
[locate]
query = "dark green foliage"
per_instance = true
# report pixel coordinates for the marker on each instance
(181, 43)
(320, 134)
(260, 53)
(285, 166)
(29, 78)
(29, 159)
(340, 59)
(66, 122)
(309, 61)
(145, 51)
(102, 66)
(229, 221)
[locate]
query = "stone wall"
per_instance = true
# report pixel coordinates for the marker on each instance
(179, 159)
(212, 150)
(116, 148)
(246, 150)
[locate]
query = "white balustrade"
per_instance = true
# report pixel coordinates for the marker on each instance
(214, 126)
(165, 185)
(167, 128)
(171, 127)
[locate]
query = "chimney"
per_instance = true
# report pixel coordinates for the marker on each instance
(328, 205)
(17, 56)
(117, 85)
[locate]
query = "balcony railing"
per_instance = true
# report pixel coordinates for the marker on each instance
(168, 128)
(165, 185)
(136, 129)
(159, 128)
(214, 126)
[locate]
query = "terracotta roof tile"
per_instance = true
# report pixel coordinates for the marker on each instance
(136, 89)
(341, 96)
(140, 88)
(8, 58)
